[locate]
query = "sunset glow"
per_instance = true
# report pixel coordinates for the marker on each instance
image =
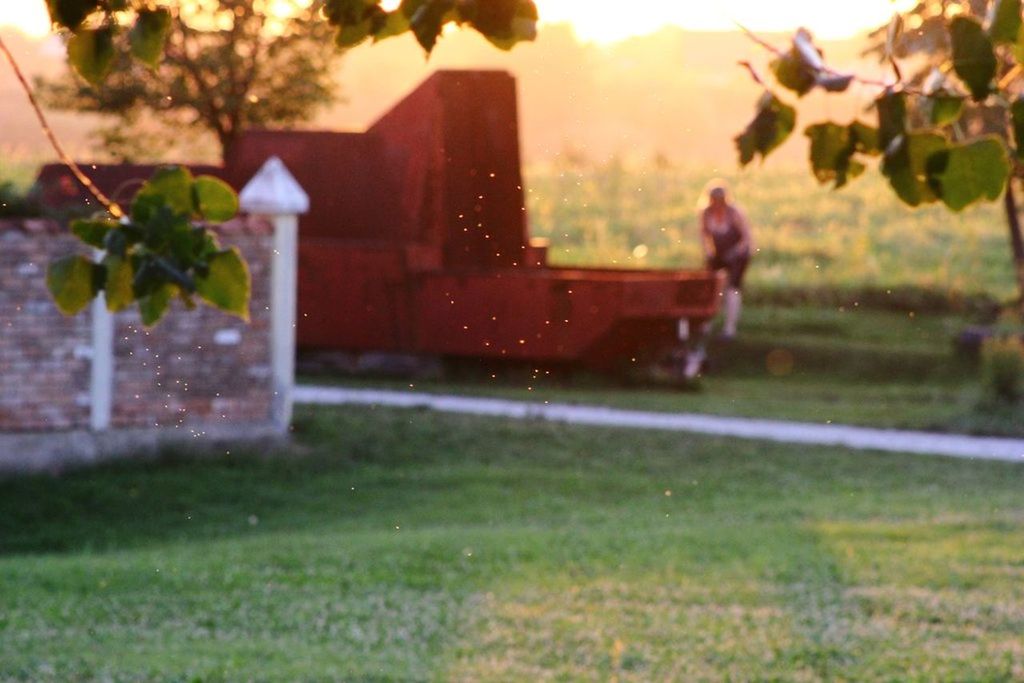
(607, 22)
(29, 16)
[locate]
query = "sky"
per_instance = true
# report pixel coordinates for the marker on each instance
(605, 21)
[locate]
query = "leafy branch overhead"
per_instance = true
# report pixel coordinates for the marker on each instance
(503, 22)
(94, 25)
(159, 253)
(953, 135)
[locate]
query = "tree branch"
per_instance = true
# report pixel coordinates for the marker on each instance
(206, 106)
(873, 82)
(115, 210)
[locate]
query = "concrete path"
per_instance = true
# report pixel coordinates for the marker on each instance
(863, 438)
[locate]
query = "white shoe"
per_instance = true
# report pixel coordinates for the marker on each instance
(694, 364)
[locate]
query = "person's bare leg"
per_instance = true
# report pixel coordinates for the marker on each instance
(733, 309)
(698, 354)
(695, 363)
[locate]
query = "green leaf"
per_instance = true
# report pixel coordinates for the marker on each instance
(892, 117)
(154, 306)
(187, 244)
(504, 23)
(72, 283)
(969, 173)
(792, 73)
(91, 52)
(1017, 116)
(70, 13)
(170, 186)
(117, 241)
(118, 287)
(772, 126)
(429, 18)
(93, 232)
(214, 199)
(943, 108)
(345, 12)
(1006, 21)
(145, 207)
(832, 150)
(169, 271)
(396, 23)
(1018, 46)
(227, 284)
(410, 7)
(522, 30)
(974, 58)
(906, 166)
(865, 139)
(835, 83)
(351, 35)
(356, 20)
(149, 34)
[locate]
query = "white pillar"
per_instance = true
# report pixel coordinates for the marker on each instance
(283, 297)
(101, 381)
(274, 193)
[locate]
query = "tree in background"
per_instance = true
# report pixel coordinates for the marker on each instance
(227, 65)
(952, 131)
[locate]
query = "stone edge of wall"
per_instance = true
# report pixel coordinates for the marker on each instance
(244, 224)
(61, 452)
(32, 226)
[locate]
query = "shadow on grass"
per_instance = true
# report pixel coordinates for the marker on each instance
(359, 469)
(745, 358)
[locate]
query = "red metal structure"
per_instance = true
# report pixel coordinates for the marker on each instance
(417, 241)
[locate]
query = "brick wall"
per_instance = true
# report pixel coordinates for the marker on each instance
(44, 365)
(194, 370)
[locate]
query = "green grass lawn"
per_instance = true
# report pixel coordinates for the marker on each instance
(852, 366)
(405, 545)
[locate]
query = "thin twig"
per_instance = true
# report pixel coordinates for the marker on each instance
(1012, 74)
(826, 69)
(759, 40)
(115, 210)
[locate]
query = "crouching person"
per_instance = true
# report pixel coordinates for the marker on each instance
(726, 240)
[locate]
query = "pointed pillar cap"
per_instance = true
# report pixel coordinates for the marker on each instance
(274, 191)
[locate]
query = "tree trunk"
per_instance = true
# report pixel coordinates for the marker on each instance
(1016, 240)
(227, 140)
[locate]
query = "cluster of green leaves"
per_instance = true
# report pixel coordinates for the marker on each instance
(158, 253)
(163, 250)
(503, 22)
(926, 151)
(94, 26)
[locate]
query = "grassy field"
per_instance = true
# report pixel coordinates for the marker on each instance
(814, 244)
(406, 546)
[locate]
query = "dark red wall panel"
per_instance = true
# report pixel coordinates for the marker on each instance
(417, 239)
